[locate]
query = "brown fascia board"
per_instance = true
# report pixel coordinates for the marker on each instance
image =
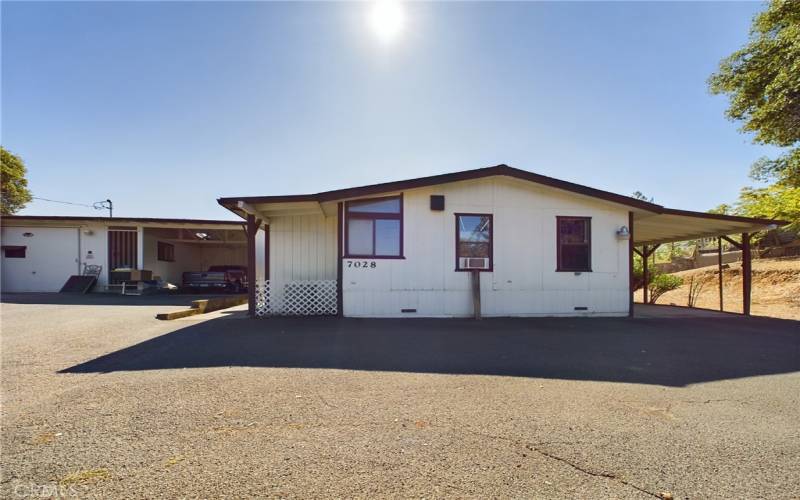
(732, 218)
(115, 219)
(498, 170)
(501, 170)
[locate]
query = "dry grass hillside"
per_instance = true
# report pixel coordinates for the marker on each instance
(776, 288)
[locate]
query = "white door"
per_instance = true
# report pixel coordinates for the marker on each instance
(50, 257)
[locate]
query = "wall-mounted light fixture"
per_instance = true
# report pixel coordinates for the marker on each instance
(623, 233)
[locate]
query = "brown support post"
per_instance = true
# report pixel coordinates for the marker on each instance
(645, 277)
(339, 262)
(266, 252)
(476, 294)
(734, 243)
(252, 229)
(631, 249)
(746, 274)
(719, 265)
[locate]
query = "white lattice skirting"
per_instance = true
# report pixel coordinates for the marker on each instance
(296, 298)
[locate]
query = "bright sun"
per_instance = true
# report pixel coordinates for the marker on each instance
(386, 19)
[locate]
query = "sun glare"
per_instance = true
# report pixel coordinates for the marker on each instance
(386, 19)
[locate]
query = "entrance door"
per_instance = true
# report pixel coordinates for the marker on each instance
(122, 247)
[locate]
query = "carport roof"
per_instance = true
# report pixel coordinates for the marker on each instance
(681, 225)
(15, 219)
(653, 223)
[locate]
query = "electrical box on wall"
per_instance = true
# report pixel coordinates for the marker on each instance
(437, 202)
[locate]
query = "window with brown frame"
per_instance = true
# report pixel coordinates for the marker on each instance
(473, 242)
(574, 236)
(166, 252)
(14, 252)
(374, 228)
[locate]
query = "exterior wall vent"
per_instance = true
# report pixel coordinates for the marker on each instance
(437, 202)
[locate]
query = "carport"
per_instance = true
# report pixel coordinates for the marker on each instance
(649, 231)
(41, 252)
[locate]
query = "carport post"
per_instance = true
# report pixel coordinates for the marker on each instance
(644, 273)
(252, 229)
(719, 265)
(631, 248)
(139, 247)
(746, 273)
(266, 252)
(339, 261)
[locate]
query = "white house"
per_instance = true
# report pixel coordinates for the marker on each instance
(540, 246)
(39, 253)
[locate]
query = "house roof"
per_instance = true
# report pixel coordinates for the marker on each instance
(654, 223)
(116, 220)
(479, 173)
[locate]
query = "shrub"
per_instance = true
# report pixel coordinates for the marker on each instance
(663, 283)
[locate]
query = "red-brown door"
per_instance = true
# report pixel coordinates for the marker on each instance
(122, 247)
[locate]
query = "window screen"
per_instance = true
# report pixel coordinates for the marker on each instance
(473, 241)
(14, 252)
(574, 244)
(166, 252)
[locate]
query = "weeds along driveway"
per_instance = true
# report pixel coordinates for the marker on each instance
(107, 401)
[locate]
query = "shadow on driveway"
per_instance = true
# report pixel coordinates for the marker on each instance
(671, 352)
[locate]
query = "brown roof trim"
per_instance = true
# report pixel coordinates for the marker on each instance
(432, 180)
(504, 170)
(67, 218)
(732, 218)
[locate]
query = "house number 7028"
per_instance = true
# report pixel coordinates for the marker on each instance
(366, 264)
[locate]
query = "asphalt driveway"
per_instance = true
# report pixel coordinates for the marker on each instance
(103, 400)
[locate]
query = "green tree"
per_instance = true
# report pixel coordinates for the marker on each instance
(778, 201)
(722, 209)
(762, 81)
(14, 192)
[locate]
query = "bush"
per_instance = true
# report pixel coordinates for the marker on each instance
(663, 283)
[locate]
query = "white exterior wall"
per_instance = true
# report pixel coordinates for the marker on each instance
(524, 281)
(301, 248)
(94, 251)
(53, 254)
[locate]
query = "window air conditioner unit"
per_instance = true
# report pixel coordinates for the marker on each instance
(474, 262)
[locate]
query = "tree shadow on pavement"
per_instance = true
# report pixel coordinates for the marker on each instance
(664, 351)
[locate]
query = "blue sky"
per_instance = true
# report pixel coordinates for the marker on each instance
(163, 107)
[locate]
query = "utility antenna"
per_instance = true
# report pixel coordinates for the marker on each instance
(105, 205)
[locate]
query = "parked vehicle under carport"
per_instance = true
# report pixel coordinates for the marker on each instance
(228, 278)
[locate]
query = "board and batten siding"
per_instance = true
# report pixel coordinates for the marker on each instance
(524, 281)
(301, 248)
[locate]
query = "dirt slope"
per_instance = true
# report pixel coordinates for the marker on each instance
(776, 288)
